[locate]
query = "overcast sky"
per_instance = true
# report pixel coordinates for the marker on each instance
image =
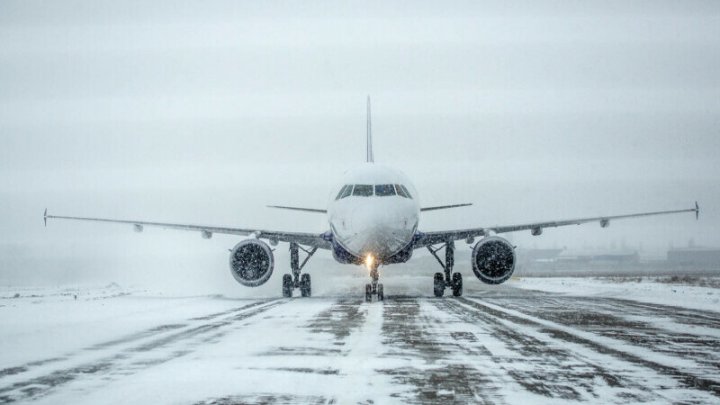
(204, 112)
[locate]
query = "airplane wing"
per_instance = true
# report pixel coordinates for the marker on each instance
(430, 238)
(308, 239)
(444, 207)
(319, 211)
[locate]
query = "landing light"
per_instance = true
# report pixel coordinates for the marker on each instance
(369, 260)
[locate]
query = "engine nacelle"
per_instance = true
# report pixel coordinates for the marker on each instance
(251, 262)
(493, 260)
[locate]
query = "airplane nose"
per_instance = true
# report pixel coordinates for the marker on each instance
(369, 218)
(380, 230)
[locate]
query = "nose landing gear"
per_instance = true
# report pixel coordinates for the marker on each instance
(374, 288)
(450, 279)
(291, 282)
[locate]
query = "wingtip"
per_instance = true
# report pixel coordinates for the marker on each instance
(45, 217)
(697, 211)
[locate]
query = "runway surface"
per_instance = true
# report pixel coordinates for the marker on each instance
(503, 345)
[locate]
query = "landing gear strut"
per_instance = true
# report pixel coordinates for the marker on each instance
(449, 279)
(374, 287)
(291, 282)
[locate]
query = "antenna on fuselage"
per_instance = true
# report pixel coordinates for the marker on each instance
(370, 158)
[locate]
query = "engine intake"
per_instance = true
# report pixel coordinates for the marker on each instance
(251, 262)
(493, 260)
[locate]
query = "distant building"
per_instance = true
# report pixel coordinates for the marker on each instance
(538, 255)
(694, 256)
(612, 256)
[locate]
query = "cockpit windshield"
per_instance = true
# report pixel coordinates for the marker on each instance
(383, 190)
(368, 190)
(344, 192)
(347, 191)
(363, 190)
(402, 191)
(340, 193)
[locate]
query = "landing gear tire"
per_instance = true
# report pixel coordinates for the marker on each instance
(380, 294)
(457, 285)
(287, 286)
(305, 286)
(368, 293)
(439, 285)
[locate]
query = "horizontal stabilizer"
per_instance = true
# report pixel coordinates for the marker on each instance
(299, 209)
(443, 207)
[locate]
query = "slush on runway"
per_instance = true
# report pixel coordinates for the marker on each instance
(506, 345)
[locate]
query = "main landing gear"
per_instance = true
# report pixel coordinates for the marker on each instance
(450, 279)
(374, 287)
(291, 282)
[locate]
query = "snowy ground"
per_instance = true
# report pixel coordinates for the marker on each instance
(689, 292)
(580, 340)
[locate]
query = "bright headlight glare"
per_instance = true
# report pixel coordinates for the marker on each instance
(369, 260)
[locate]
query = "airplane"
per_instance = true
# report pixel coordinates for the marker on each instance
(373, 220)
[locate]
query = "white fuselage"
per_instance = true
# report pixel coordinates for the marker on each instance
(378, 218)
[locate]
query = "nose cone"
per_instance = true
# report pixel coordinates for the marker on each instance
(380, 230)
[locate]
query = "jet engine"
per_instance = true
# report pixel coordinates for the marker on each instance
(493, 260)
(251, 262)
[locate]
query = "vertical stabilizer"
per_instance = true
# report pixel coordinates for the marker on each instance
(370, 158)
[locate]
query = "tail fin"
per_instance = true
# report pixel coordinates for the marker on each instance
(369, 151)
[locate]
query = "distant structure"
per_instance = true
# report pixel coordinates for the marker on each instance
(694, 256)
(614, 256)
(538, 255)
(692, 260)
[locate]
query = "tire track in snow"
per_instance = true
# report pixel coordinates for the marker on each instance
(130, 360)
(654, 327)
(537, 366)
(676, 369)
(692, 317)
(129, 338)
(326, 345)
(434, 365)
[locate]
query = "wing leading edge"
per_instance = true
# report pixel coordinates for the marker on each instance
(444, 207)
(316, 210)
(431, 238)
(309, 239)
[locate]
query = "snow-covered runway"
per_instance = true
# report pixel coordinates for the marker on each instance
(500, 345)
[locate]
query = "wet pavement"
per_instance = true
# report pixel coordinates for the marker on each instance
(490, 346)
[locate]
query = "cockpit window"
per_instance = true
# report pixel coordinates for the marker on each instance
(341, 192)
(383, 190)
(347, 191)
(363, 190)
(406, 191)
(402, 191)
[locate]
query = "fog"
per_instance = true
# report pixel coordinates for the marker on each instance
(205, 112)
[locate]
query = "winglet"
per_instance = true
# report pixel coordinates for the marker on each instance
(697, 211)
(370, 158)
(45, 217)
